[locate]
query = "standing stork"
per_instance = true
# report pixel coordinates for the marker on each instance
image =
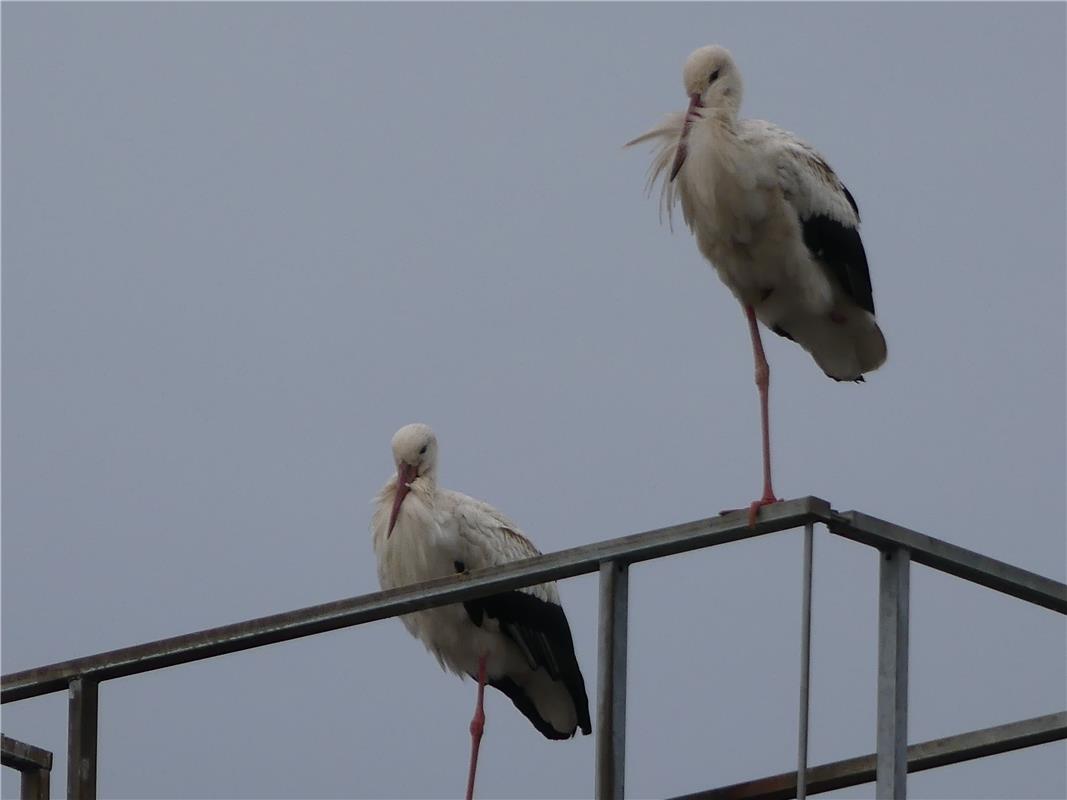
(776, 222)
(518, 642)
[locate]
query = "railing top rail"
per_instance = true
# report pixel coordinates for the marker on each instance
(952, 559)
(554, 566)
(23, 757)
(379, 605)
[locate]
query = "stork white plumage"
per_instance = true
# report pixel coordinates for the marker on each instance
(776, 222)
(518, 642)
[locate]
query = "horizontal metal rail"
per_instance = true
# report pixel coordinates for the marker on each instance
(554, 566)
(952, 559)
(380, 605)
(22, 756)
(82, 676)
(925, 755)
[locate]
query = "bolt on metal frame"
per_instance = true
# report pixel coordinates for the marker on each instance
(898, 547)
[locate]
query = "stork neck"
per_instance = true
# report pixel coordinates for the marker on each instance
(425, 484)
(723, 120)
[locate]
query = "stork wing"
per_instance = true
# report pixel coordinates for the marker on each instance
(828, 214)
(531, 617)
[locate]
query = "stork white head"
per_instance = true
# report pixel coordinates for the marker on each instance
(711, 79)
(415, 454)
(712, 82)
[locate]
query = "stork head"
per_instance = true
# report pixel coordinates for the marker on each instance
(415, 454)
(712, 82)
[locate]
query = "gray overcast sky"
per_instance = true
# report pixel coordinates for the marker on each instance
(242, 244)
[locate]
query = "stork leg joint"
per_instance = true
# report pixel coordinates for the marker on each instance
(763, 376)
(478, 724)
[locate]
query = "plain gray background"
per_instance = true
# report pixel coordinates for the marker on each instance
(242, 244)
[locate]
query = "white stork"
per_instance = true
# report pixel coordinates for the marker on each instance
(518, 642)
(777, 224)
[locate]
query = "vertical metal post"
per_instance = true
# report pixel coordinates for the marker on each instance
(805, 666)
(611, 681)
(35, 785)
(81, 739)
(893, 604)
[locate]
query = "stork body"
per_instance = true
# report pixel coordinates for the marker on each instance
(518, 642)
(777, 224)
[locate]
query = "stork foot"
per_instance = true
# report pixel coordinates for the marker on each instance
(756, 505)
(753, 507)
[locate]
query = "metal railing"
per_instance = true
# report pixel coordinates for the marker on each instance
(34, 763)
(888, 766)
(925, 755)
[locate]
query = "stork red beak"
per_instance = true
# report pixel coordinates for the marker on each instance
(683, 145)
(405, 474)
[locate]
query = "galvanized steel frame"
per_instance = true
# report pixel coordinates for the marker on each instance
(899, 546)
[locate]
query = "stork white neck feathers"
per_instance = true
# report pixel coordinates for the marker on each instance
(713, 84)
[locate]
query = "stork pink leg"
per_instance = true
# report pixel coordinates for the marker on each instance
(477, 726)
(763, 382)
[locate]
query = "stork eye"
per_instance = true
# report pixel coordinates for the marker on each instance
(422, 452)
(712, 77)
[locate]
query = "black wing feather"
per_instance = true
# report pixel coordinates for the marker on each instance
(839, 248)
(541, 631)
(851, 200)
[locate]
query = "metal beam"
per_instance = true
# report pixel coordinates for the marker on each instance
(554, 566)
(81, 739)
(954, 560)
(22, 756)
(380, 605)
(893, 602)
(611, 683)
(921, 756)
(34, 763)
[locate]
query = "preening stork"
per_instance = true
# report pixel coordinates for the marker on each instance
(518, 642)
(776, 222)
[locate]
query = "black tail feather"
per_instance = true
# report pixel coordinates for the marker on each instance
(523, 702)
(541, 631)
